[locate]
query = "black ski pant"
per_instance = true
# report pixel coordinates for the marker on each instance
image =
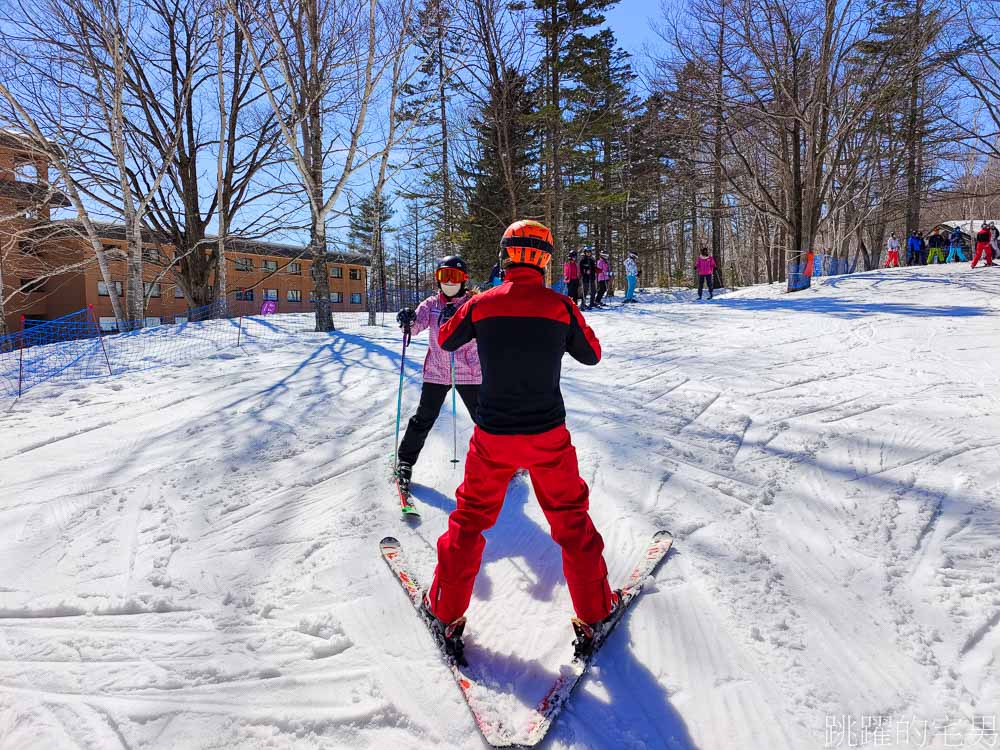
(573, 289)
(589, 291)
(602, 288)
(432, 396)
(704, 278)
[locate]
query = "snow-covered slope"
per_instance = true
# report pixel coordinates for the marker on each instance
(188, 556)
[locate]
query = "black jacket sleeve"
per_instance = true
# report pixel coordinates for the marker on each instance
(458, 331)
(581, 343)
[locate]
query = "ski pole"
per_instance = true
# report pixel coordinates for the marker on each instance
(454, 413)
(399, 396)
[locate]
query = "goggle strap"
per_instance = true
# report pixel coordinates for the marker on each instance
(534, 242)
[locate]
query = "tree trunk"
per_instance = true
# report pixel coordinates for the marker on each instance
(717, 165)
(555, 99)
(913, 129)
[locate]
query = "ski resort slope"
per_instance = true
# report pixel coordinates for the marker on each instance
(189, 556)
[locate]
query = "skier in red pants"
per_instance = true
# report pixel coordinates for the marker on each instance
(522, 329)
(983, 248)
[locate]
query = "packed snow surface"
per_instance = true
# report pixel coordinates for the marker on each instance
(189, 555)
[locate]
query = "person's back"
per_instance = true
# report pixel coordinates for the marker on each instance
(522, 330)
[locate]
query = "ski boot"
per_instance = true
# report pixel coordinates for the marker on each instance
(450, 635)
(587, 636)
(404, 473)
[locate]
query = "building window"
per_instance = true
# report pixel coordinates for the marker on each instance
(244, 264)
(108, 325)
(178, 293)
(356, 298)
(102, 289)
(295, 268)
(244, 295)
(28, 247)
(150, 322)
(355, 274)
(26, 172)
(114, 252)
(153, 255)
(30, 286)
(294, 295)
(270, 295)
(270, 265)
(151, 289)
(336, 296)
(337, 272)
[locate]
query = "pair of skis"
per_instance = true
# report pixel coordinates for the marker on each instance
(493, 728)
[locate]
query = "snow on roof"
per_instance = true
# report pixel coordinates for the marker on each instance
(966, 224)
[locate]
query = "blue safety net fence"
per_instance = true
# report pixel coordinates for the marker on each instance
(75, 348)
(823, 265)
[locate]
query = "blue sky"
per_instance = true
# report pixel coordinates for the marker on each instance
(630, 20)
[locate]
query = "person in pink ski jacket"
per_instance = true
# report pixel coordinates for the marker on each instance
(571, 275)
(451, 275)
(603, 274)
(705, 267)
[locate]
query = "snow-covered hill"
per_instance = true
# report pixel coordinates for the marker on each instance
(188, 556)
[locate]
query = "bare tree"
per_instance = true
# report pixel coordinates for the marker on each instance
(81, 54)
(333, 63)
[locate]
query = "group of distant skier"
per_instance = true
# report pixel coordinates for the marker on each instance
(925, 251)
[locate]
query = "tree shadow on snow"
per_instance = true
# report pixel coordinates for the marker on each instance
(842, 308)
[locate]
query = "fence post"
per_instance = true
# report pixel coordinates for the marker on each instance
(20, 360)
(239, 332)
(100, 337)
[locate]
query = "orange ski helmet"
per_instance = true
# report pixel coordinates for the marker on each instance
(528, 242)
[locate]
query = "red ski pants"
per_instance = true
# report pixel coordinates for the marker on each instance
(983, 248)
(893, 261)
(564, 497)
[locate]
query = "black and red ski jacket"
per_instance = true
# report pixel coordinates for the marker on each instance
(522, 329)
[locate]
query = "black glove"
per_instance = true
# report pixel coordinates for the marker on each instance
(447, 313)
(405, 317)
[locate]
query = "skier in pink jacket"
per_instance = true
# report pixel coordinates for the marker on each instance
(705, 266)
(451, 275)
(571, 275)
(603, 276)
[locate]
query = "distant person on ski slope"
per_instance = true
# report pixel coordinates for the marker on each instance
(983, 247)
(603, 275)
(892, 246)
(571, 275)
(522, 330)
(994, 240)
(936, 244)
(631, 276)
(496, 276)
(955, 247)
(451, 275)
(912, 249)
(588, 277)
(921, 250)
(705, 267)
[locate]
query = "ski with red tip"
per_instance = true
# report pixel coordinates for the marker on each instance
(492, 727)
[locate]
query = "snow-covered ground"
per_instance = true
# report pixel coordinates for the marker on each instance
(188, 556)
